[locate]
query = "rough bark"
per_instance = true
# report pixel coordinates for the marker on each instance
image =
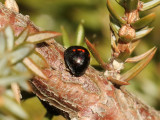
(89, 97)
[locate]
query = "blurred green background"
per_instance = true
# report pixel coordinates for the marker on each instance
(52, 14)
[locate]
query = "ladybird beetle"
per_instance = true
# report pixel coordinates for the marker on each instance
(77, 59)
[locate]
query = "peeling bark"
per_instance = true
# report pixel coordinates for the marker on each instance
(89, 97)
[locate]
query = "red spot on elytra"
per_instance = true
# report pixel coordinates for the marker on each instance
(81, 50)
(74, 50)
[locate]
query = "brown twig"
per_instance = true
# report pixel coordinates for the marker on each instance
(89, 97)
